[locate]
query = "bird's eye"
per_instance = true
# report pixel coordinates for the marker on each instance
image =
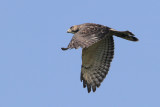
(71, 27)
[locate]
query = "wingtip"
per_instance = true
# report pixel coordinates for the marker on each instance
(88, 88)
(94, 88)
(64, 49)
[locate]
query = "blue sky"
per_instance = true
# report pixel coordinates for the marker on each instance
(35, 72)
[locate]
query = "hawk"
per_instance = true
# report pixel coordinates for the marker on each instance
(97, 46)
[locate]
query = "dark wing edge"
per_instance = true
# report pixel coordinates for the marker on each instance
(95, 72)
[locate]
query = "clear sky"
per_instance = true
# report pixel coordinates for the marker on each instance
(35, 72)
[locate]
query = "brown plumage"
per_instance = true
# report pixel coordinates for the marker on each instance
(97, 46)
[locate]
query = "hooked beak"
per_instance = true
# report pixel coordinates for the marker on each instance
(69, 31)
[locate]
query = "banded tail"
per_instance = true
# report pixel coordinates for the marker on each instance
(124, 34)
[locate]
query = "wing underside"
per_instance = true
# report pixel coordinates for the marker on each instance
(96, 61)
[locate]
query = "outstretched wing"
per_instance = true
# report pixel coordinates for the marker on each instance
(87, 36)
(96, 62)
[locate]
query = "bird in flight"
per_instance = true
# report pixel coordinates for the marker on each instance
(97, 46)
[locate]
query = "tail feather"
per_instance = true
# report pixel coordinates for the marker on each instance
(125, 35)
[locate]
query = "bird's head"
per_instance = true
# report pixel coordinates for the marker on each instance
(73, 29)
